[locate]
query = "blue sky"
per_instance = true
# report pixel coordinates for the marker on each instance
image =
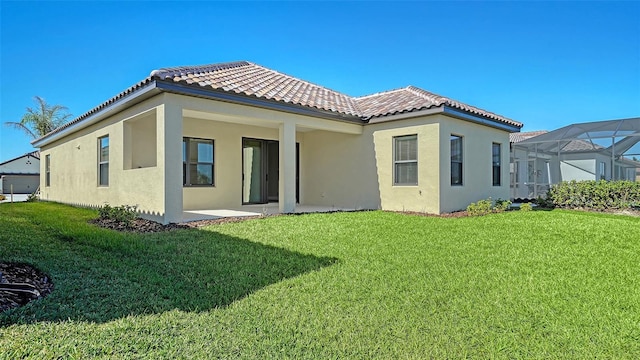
(546, 64)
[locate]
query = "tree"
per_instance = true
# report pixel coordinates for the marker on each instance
(42, 119)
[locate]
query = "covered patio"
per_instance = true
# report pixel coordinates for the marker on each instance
(601, 150)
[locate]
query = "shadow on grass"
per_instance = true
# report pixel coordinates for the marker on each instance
(103, 275)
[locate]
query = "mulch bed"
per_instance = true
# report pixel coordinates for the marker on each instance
(140, 226)
(20, 284)
(143, 226)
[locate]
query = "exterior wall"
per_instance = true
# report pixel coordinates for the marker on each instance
(477, 164)
(74, 165)
(423, 197)
(339, 170)
(357, 171)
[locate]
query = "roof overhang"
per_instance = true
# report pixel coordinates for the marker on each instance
(447, 110)
(460, 114)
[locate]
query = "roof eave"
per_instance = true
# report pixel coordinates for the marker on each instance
(464, 115)
(126, 101)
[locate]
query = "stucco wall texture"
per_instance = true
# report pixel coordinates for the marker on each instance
(344, 165)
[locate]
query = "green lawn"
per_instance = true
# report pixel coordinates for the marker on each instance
(542, 284)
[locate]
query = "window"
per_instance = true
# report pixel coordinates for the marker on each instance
(47, 170)
(602, 175)
(405, 160)
(495, 155)
(456, 160)
(103, 161)
(197, 162)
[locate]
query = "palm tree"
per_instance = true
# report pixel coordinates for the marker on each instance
(41, 120)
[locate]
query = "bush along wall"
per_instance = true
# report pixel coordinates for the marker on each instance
(597, 195)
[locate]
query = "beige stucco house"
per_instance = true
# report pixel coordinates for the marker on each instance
(224, 135)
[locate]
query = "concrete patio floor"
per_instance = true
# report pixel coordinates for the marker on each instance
(253, 210)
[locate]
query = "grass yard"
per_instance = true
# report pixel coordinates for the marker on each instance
(554, 284)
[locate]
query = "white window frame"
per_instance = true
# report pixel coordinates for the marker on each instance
(102, 162)
(396, 161)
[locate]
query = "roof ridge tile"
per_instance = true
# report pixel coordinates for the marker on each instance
(164, 73)
(379, 93)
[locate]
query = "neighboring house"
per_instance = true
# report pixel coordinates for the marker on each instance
(602, 150)
(220, 136)
(20, 175)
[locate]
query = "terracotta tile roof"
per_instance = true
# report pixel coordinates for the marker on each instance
(254, 80)
(243, 77)
(246, 78)
(413, 98)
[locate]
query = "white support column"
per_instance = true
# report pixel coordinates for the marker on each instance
(287, 183)
(169, 117)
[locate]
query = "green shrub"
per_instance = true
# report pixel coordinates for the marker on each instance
(526, 207)
(124, 214)
(597, 195)
(501, 205)
(544, 202)
(482, 207)
(32, 197)
(487, 206)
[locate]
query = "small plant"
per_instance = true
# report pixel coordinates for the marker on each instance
(32, 197)
(526, 207)
(544, 202)
(487, 206)
(123, 214)
(482, 207)
(502, 205)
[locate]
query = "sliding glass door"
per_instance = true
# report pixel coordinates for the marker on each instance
(261, 171)
(252, 171)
